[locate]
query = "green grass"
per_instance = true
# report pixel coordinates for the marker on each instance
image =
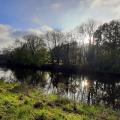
(20, 102)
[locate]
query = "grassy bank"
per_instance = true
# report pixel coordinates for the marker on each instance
(18, 102)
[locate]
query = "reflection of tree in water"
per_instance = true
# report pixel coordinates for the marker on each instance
(86, 89)
(34, 78)
(109, 94)
(106, 92)
(58, 82)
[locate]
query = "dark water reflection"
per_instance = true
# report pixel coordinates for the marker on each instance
(90, 89)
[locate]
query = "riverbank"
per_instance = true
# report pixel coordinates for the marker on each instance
(70, 69)
(66, 69)
(22, 102)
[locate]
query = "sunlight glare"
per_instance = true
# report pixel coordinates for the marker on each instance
(84, 83)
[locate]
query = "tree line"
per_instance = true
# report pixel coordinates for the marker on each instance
(90, 44)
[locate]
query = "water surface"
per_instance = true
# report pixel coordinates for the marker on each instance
(89, 89)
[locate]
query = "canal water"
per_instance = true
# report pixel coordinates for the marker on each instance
(90, 89)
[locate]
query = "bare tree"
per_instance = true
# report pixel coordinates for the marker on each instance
(53, 40)
(87, 30)
(34, 43)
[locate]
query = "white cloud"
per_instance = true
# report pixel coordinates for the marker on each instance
(99, 10)
(105, 3)
(96, 3)
(35, 31)
(40, 30)
(103, 10)
(4, 29)
(6, 37)
(116, 12)
(46, 28)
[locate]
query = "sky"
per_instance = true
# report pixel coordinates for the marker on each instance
(20, 16)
